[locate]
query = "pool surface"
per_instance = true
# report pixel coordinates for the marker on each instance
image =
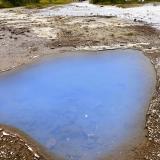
(80, 106)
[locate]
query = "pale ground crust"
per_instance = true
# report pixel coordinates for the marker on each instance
(25, 37)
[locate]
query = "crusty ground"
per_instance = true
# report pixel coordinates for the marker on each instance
(25, 37)
(16, 145)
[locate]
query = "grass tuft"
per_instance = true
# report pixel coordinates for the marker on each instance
(30, 4)
(5, 4)
(129, 5)
(123, 3)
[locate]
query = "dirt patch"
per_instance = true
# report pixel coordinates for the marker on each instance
(16, 145)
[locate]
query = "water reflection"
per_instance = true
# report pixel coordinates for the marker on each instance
(80, 107)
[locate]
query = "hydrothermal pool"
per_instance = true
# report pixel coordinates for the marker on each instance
(80, 106)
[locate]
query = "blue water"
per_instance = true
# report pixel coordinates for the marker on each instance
(80, 107)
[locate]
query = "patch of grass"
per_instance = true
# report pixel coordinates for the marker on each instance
(129, 5)
(107, 2)
(55, 1)
(36, 5)
(30, 4)
(47, 3)
(123, 3)
(5, 4)
(129, 34)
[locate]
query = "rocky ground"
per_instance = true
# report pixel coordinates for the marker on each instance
(26, 35)
(15, 145)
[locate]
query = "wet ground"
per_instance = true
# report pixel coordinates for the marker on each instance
(25, 36)
(16, 145)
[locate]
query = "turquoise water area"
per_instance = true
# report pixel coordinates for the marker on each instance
(80, 106)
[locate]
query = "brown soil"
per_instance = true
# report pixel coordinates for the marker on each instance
(16, 145)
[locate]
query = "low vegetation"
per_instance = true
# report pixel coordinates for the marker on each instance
(121, 2)
(30, 3)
